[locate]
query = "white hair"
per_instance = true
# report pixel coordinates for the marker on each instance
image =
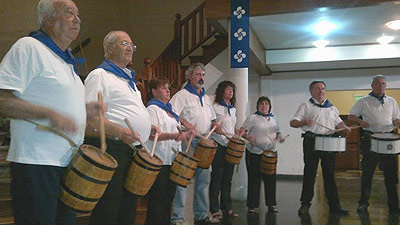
(376, 77)
(109, 39)
(45, 8)
(192, 68)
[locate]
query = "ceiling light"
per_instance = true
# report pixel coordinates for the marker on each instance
(384, 40)
(320, 43)
(394, 24)
(323, 9)
(324, 27)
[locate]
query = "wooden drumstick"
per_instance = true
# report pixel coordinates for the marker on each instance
(351, 127)
(154, 144)
(46, 128)
(188, 144)
(133, 131)
(324, 126)
(215, 126)
(101, 121)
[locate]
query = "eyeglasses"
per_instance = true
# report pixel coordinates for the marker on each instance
(130, 44)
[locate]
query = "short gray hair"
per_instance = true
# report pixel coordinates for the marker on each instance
(192, 68)
(376, 77)
(45, 7)
(109, 39)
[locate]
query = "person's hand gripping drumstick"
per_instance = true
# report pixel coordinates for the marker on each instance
(133, 131)
(217, 126)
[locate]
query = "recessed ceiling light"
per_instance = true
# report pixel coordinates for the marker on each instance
(320, 43)
(394, 24)
(324, 27)
(384, 40)
(323, 9)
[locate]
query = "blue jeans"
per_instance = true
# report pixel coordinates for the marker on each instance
(200, 201)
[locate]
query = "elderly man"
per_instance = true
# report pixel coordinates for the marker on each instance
(379, 114)
(192, 104)
(38, 85)
(318, 116)
(117, 84)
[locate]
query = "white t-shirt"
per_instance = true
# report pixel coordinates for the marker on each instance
(264, 130)
(328, 117)
(41, 77)
(228, 124)
(167, 124)
(380, 117)
(122, 101)
(188, 106)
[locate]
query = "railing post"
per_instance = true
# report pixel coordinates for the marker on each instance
(178, 38)
(147, 71)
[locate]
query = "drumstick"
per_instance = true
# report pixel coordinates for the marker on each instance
(351, 127)
(188, 144)
(215, 126)
(324, 126)
(46, 128)
(133, 131)
(154, 144)
(101, 123)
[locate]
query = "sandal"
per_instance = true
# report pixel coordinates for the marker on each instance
(251, 211)
(231, 213)
(217, 215)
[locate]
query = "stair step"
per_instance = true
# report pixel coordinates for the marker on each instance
(196, 59)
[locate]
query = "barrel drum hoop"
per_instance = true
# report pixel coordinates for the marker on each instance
(241, 151)
(145, 167)
(180, 176)
(209, 147)
(84, 176)
(91, 161)
(152, 164)
(69, 191)
(184, 165)
(186, 156)
(234, 156)
(75, 210)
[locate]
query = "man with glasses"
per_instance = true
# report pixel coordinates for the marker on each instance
(117, 84)
(379, 113)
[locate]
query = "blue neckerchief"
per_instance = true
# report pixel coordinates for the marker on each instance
(192, 90)
(223, 103)
(66, 56)
(167, 107)
(326, 104)
(267, 115)
(109, 66)
(381, 99)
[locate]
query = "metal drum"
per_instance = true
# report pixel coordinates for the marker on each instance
(329, 143)
(385, 143)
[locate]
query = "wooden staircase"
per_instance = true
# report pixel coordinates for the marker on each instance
(196, 39)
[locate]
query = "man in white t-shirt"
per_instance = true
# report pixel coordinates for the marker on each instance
(192, 104)
(379, 113)
(318, 116)
(117, 84)
(39, 85)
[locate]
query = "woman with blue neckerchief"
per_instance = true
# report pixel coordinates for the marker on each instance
(162, 192)
(262, 130)
(222, 170)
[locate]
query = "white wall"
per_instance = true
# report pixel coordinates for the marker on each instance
(289, 90)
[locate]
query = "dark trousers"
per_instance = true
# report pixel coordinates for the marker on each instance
(221, 181)
(389, 166)
(311, 160)
(254, 182)
(117, 206)
(34, 191)
(160, 196)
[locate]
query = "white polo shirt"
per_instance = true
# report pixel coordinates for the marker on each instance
(328, 117)
(122, 101)
(188, 106)
(167, 124)
(380, 117)
(227, 125)
(264, 130)
(41, 77)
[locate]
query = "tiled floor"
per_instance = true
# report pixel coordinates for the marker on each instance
(288, 195)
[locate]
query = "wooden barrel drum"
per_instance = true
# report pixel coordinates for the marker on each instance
(142, 173)
(268, 162)
(182, 169)
(86, 179)
(205, 152)
(234, 151)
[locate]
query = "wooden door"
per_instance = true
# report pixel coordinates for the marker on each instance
(349, 160)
